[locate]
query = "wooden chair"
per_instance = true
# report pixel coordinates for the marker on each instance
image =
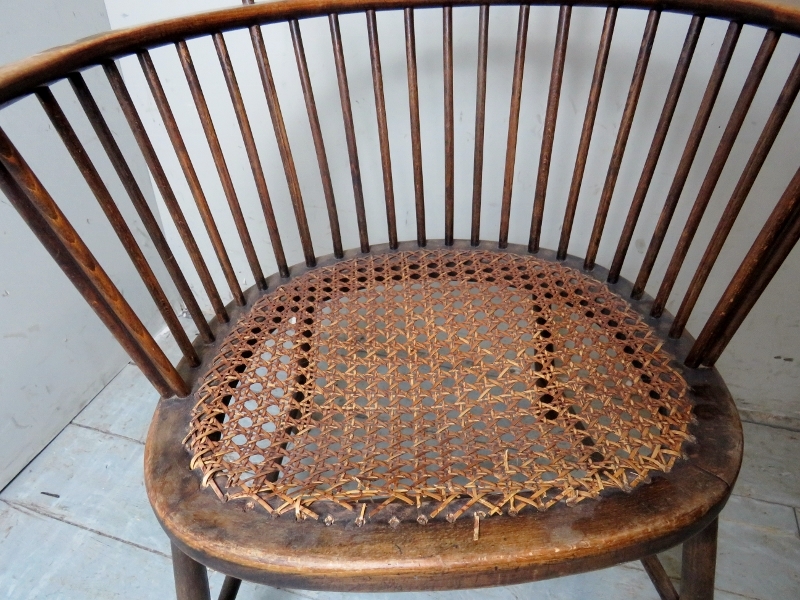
(429, 414)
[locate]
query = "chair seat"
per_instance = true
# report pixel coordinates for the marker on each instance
(441, 409)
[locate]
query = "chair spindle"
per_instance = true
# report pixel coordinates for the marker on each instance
(748, 177)
(168, 195)
(252, 152)
(316, 134)
(349, 130)
(586, 131)
(265, 71)
(715, 169)
(151, 225)
(480, 122)
(687, 158)
(549, 131)
(383, 129)
(513, 122)
(189, 172)
(622, 137)
(116, 220)
(57, 234)
(775, 241)
(219, 162)
(413, 106)
(659, 137)
(449, 126)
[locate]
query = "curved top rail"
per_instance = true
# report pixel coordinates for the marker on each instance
(21, 77)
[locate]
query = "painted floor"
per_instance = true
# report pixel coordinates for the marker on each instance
(76, 522)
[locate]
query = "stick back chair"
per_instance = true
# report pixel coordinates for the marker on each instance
(435, 413)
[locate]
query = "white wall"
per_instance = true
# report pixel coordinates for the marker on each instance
(755, 364)
(54, 351)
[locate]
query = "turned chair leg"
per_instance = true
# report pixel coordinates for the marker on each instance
(699, 564)
(191, 578)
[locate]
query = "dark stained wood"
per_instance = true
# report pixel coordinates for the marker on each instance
(480, 121)
(219, 161)
(230, 588)
(63, 242)
(164, 109)
(191, 578)
(383, 129)
(160, 177)
(687, 158)
(622, 137)
(513, 123)
(774, 242)
(84, 284)
(375, 557)
(282, 137)
(413, 109)
(549, 132)
(78, 153)
(748, 177)
(149, 220)
(252, 152)
(19, 78)
(349, 131)
(586, 131)
(715, 169)
(698, 564)
(661, 581)
(316, 134)
(449, 127)
(660, 135)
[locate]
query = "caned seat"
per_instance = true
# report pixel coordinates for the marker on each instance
(435, 413)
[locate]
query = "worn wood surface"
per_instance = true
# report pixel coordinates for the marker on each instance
(245, 543)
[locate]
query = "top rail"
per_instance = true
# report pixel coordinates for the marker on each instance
(21, 77)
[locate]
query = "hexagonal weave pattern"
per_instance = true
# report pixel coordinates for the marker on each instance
(453, 380)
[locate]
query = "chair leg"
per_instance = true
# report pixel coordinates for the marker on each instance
(191, 578)
(230, 587)
(699, 564)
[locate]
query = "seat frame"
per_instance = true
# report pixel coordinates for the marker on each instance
(240, 539)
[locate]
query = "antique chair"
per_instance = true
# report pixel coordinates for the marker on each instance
(436, 413)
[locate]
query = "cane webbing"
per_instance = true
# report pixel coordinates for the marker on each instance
(431, 377)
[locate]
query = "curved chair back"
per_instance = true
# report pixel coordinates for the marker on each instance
(525, 190)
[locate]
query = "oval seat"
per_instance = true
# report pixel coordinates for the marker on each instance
(285, 534)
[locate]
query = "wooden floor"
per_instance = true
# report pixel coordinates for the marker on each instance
(76, 522)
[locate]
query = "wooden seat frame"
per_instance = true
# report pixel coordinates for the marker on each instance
(236, 538)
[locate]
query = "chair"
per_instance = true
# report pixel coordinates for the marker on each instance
(436, 413)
